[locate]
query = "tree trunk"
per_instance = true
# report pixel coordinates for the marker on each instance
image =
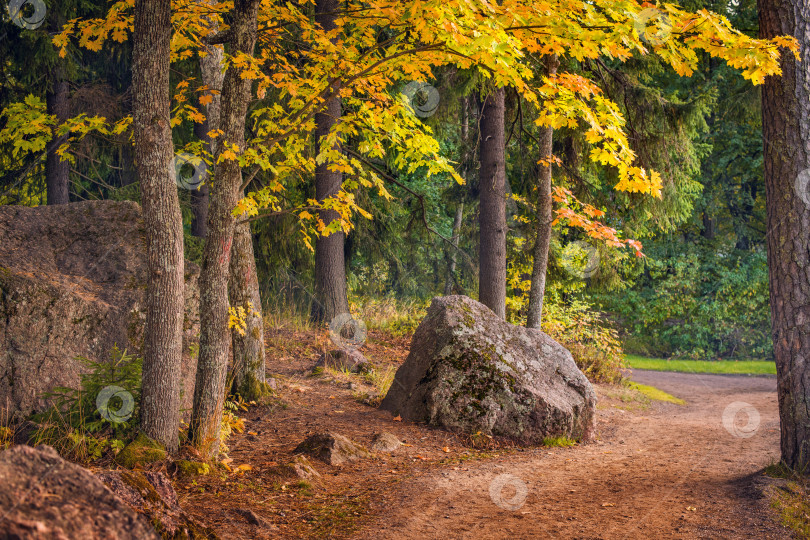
(450, 281)
(212, 76)
(215, 337)
(708, 226)
(534, 318)
(163, 342)
(492, 241)
(786, 130)
(248, 349)
(451, 269)
(57, 172)
(330, 265)
(200, 195)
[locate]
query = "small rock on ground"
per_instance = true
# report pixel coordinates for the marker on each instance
(385, 442)
(348, 359)
(332, 448)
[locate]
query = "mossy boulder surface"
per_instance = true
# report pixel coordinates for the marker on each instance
(470, 371)
(141, 451)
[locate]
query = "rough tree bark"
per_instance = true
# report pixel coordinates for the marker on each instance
(534, 317)
(212, 76)
(57, 172)
(215, 337)
(492, 193)
(248, 370)
(243, 288)
(786, 134)
(163, 341)
(330, 265)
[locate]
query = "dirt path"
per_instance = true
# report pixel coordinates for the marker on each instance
(665, 472)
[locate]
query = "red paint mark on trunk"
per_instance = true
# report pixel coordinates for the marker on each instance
(224, 258)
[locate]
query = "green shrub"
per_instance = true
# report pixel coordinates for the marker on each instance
(590, 337)
(76, 426)
(695, 302)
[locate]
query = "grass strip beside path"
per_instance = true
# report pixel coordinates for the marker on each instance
(742, 367)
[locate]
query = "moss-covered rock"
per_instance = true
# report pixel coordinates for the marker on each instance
(470, 371)
(141, 451)
(44, 496)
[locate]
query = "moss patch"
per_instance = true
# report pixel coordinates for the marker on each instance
(189, 469)
(561, 441)
(654, 393)
(141, 451)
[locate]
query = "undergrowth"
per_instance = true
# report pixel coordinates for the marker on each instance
(98, 418)
(84, 424)
(396, 317)
(791, 501)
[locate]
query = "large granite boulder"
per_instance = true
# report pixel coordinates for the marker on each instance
(42, 496)
(72, 283)
(470, 371)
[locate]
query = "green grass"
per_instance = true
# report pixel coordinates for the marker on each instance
(791, 500)
(654, 393)
(561, 441)
(743, 367)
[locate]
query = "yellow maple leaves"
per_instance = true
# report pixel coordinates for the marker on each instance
(378, 46)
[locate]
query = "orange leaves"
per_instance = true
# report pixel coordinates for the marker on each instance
(574, 213)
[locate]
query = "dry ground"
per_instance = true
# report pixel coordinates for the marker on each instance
(654, 470)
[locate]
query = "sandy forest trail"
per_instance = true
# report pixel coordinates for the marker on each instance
(669, 471)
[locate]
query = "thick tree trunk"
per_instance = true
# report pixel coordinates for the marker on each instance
(534, 317)
(330, 265)
(215, 337)
(492, 189)
(786, 132)
(57, 172)
(248, 349)
(212, 77)
(160, 401)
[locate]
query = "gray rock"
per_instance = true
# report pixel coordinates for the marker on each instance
(42, 496)
(299, 467)
(348, 359)
(303, 469)
(73, 283)
(332, 448)
(470, 371)
(385, 442)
